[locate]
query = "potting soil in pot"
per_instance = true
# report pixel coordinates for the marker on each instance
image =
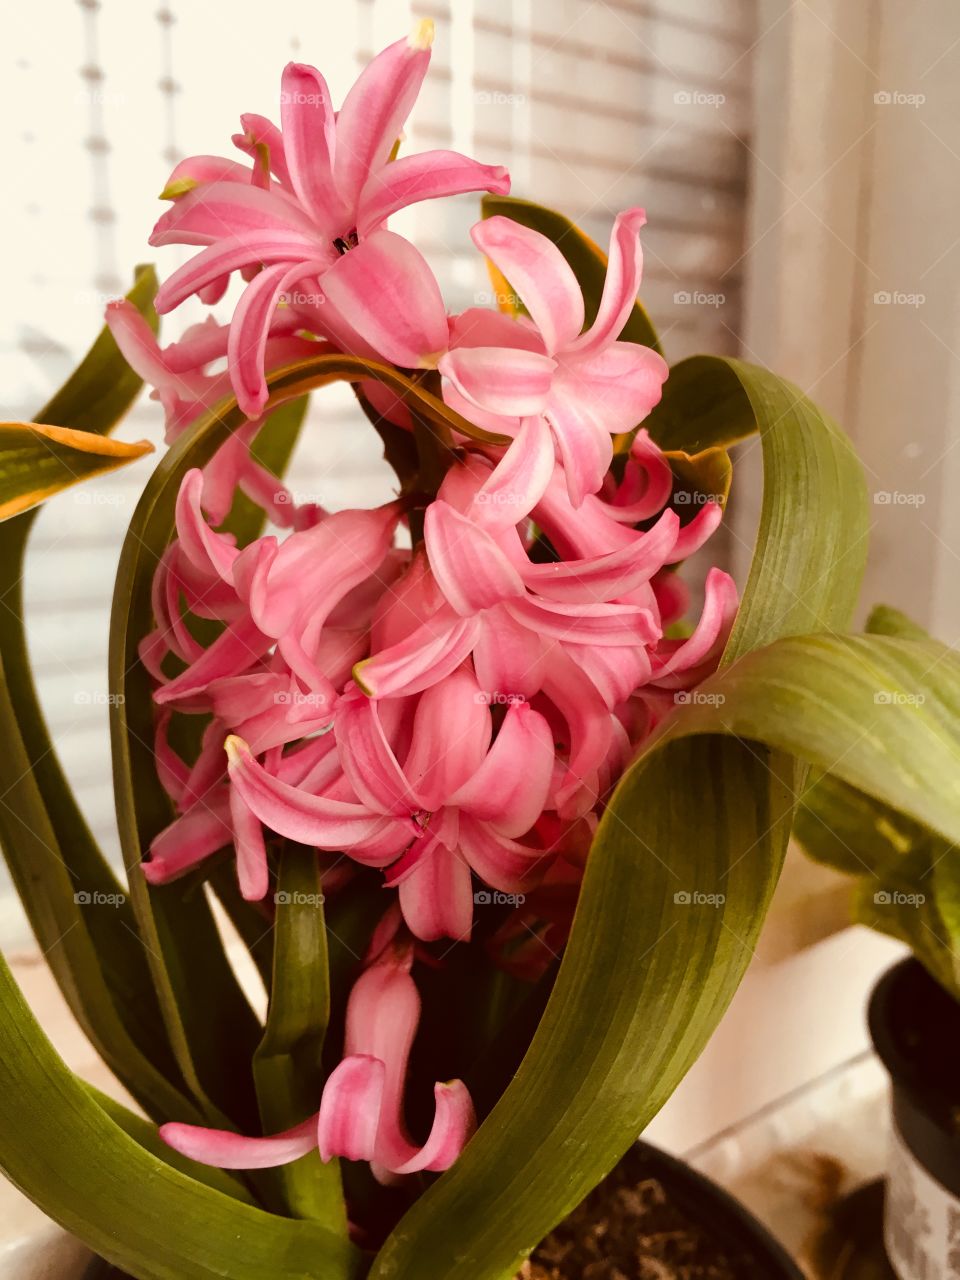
(637, 1226)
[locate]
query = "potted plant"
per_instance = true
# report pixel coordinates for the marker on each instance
(498, 829)
(906, 881)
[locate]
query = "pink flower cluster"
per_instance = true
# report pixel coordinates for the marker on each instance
(453, 712)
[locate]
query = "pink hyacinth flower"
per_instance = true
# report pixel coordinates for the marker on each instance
(328, 184)
(587, 385)
(361, 1110)
(466, 799)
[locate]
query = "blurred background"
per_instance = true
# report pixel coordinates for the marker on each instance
(798, 160)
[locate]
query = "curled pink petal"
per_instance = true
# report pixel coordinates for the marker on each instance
(541, 275)
(350, 1109)
(225, 1150)
(471, 570)
(427, 176)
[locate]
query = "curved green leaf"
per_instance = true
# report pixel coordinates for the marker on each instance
(288, 1066)
(76, 907)
(646, 975)
(38, 461)
(132, 1207)
(586, 259)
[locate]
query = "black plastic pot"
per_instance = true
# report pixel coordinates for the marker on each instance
(717, 1215)
(915, 1026)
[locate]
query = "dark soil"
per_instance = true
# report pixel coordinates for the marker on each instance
(637, 1226)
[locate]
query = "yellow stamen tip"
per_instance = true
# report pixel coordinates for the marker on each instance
(174, 190)
(234, 748)
(421, 37)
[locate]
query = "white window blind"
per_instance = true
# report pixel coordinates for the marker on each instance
(592, 105)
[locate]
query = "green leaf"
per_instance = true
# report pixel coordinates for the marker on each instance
(62, 1149)
(907, 876)
(288, 1067)
(93, 948)
(38, 461)
(646, 977)
(586, 259)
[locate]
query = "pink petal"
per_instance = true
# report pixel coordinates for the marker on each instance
(589, 723)
(481, 327)
(539, 273)
(209, 552)
(647, 482)
(694, 534)
(501, 862)
(374, 111)
(230, 255)
(425, 176)
(350, 1108)
(454, 1121)
(437, 896)
(499, 379)
(309, 819)
(221, 210)
(368, 759)
(137, 342)
(519, 480)
(225, 1150)
(586, 623)
(616, 386)
(509, 788)
(584, 446)
(207, 169)
(426, 655)
(624, 269)
(471, 570)
(385, 290)
(509, 658)
(195, 835)
(704, 647)
(250, 329)
(451, 733)
(611, 576)
(234, 650)
(309, 131)
(252, 871)
(259, 133)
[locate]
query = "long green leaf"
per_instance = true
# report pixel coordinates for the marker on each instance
(75, 905)
(288, 1066)
(588, 261)
(38, 460)
(646, 975)
(132, 1207)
